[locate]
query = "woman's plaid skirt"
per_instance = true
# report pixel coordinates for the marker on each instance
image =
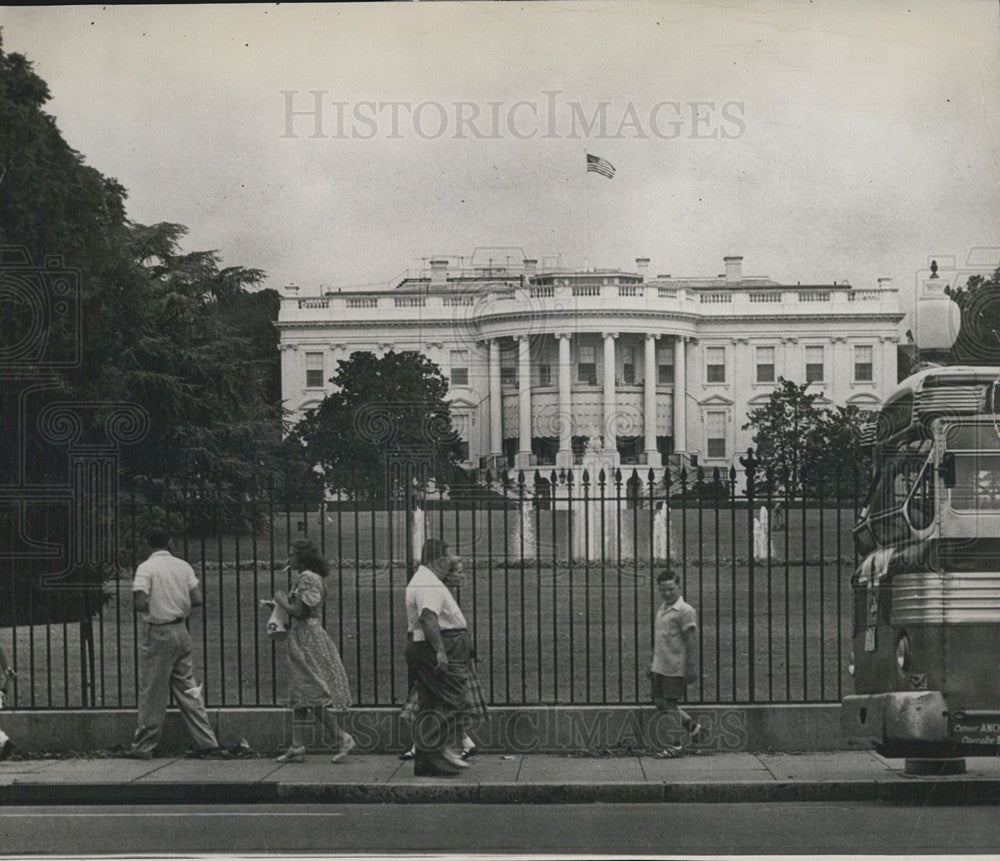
(473, 710)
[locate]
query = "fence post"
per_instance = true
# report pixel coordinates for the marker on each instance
(409, 494)
(731, 488)
(750, 464)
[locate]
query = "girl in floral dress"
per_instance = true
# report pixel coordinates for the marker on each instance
(317, 681)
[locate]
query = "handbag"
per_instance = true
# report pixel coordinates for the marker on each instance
(278, 624)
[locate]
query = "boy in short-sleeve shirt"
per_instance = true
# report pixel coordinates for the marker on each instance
(675, 655)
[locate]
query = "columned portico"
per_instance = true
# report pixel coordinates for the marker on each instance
(564, 456)
(649, 402)
(496, 424)
(523, 458)
(680, 395)
(610, 401)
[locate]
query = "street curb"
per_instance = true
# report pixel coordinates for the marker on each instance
(926, 791)
(136, 793)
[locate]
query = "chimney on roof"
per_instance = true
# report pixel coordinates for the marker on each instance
(293, 289)
(530, 268)
(439, 273)
(642, 266)
(734, 269)
(886, 283)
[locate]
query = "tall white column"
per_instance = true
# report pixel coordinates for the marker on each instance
(680, 394)
(564, 457)
(649, 402)
(610, 399)
(496, 406)
(523, 458)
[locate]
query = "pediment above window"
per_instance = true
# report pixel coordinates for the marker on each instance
(716, 401)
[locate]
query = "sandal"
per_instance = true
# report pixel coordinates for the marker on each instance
(670, 752)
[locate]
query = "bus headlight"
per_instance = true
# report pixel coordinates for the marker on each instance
(903, 652)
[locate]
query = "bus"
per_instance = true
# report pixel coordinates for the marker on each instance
(926, 591)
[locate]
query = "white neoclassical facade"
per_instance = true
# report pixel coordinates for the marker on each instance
(543, 361)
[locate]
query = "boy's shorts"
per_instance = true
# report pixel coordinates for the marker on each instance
(666, 688)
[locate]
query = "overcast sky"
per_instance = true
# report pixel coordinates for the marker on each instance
(848, 141)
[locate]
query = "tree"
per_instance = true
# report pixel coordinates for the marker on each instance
(785, 430)
(387, 415)
(189, 342)
(192, 343)
(978, 341)
(841, 466)
(804, 447)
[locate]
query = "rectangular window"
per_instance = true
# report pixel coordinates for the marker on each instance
(715, 364)
(508, 375)
(628, 366)
(863, 364)
(765, 364)
(459, 368)
(586, 365)
(715, 433)
(814, 364)
(544, 374)
(460, 424)
(664, 365)
(314, 370)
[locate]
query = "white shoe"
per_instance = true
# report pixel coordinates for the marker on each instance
(345, 748)
(454, 759)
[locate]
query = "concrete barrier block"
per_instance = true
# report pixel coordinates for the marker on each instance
(798, 727)
(508, 729)
(266, 730)
(17, 725)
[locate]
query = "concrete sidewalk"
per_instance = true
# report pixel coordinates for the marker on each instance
(495, 779)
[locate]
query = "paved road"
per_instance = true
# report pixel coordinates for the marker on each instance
(647, 829)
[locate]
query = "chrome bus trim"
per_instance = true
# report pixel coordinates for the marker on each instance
(959, 598)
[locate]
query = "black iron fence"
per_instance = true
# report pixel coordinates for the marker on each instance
(560, 590)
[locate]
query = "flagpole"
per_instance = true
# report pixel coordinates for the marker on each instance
(586, 214)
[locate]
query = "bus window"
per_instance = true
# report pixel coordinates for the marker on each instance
(977, 467)
(899, 476)
(977, 481)
(920, 508)
(904, 485)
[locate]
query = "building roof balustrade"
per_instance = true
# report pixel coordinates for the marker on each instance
(499, 300)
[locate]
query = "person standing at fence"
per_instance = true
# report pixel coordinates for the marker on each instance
(166, 590)
(675, 657)
(437, 656)
(6, 674)
(317, 681)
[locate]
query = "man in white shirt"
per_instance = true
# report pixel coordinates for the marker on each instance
(437, 656)
(166, 589)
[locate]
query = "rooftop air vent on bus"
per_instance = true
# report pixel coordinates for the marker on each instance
(964, 400)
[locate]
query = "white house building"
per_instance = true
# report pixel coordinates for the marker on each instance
(542, 360)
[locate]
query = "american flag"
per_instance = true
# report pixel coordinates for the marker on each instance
(596, 164)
